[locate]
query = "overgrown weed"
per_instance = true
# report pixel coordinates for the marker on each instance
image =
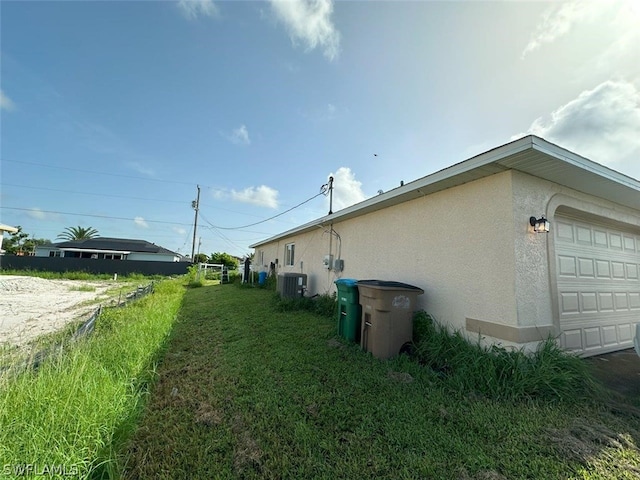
(78, 407)
(496, 372)
(324, 305)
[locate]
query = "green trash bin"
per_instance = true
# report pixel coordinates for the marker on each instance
(349, 309)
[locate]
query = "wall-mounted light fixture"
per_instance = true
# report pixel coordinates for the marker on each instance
(540, 225)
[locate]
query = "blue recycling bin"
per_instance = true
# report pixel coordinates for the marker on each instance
(262, 277)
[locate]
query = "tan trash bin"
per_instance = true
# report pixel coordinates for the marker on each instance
(387, 316)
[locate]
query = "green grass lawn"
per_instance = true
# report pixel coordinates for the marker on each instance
(78, 408)
(247, 391)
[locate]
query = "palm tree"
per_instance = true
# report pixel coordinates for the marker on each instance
(78, 233)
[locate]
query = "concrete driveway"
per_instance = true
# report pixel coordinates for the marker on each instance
(619, 371)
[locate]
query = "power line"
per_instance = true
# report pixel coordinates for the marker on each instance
(323, 191)
(98, 173)
(182, 202)
(92, 215)
(226, 239)
(94, 194)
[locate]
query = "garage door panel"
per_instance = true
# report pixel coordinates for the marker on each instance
(621, 301)
(630, 244)
(626, 332)
(589, 302)
(572, 339)
(583, 235)
(585, 268)
(567, 266)
(617, 270)
(605, 301)
(603, 269)
(610, 335)
(600, 238)
(564, 231)
(634, 301)
(592, 338)
(615, 241)
(598, 285)
(569, 303)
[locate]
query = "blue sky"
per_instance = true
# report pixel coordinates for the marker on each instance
(113, 112)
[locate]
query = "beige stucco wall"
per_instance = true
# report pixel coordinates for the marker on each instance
(470, 248)
(456, 244)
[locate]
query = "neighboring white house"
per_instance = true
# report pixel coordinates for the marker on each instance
(109, 249)
(463, 234)
(8, 229)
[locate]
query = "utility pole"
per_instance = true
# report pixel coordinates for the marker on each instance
(330, 195)
(195, 205)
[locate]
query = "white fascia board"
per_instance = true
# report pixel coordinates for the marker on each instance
(7, 228)
(574, 159)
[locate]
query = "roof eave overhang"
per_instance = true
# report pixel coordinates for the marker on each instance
(7, 228)
(531, 155)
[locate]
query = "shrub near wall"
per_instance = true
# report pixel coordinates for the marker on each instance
(495, 372)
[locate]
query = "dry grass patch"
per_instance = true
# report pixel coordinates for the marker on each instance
(595, 445)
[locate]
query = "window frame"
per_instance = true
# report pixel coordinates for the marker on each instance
(289, 254)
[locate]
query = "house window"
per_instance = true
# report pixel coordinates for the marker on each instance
(54, 253)
(289, 250)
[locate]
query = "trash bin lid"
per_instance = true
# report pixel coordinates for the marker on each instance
(347, 282)
(389, 285)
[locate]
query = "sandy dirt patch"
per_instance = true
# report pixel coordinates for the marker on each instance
(30, 306)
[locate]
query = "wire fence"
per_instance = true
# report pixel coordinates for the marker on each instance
(87, 327)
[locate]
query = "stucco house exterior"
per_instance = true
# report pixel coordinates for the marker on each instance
(463, 234)
(110, 249)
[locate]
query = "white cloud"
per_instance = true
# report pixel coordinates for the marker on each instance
(329, 112)
(36, 213)
(6, 103)
(309, 21)
(138, 167)
(559, 19)
(262, 195)
(240, 136)
(192, 9)
(179, 230)
(601, 124)
(218, 193)
(620, 54)
(347, 190)
(324, 113)
(140, 222)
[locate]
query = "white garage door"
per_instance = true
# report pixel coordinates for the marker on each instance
(598, 269)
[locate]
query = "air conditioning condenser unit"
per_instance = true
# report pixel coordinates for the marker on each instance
(292, 285)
